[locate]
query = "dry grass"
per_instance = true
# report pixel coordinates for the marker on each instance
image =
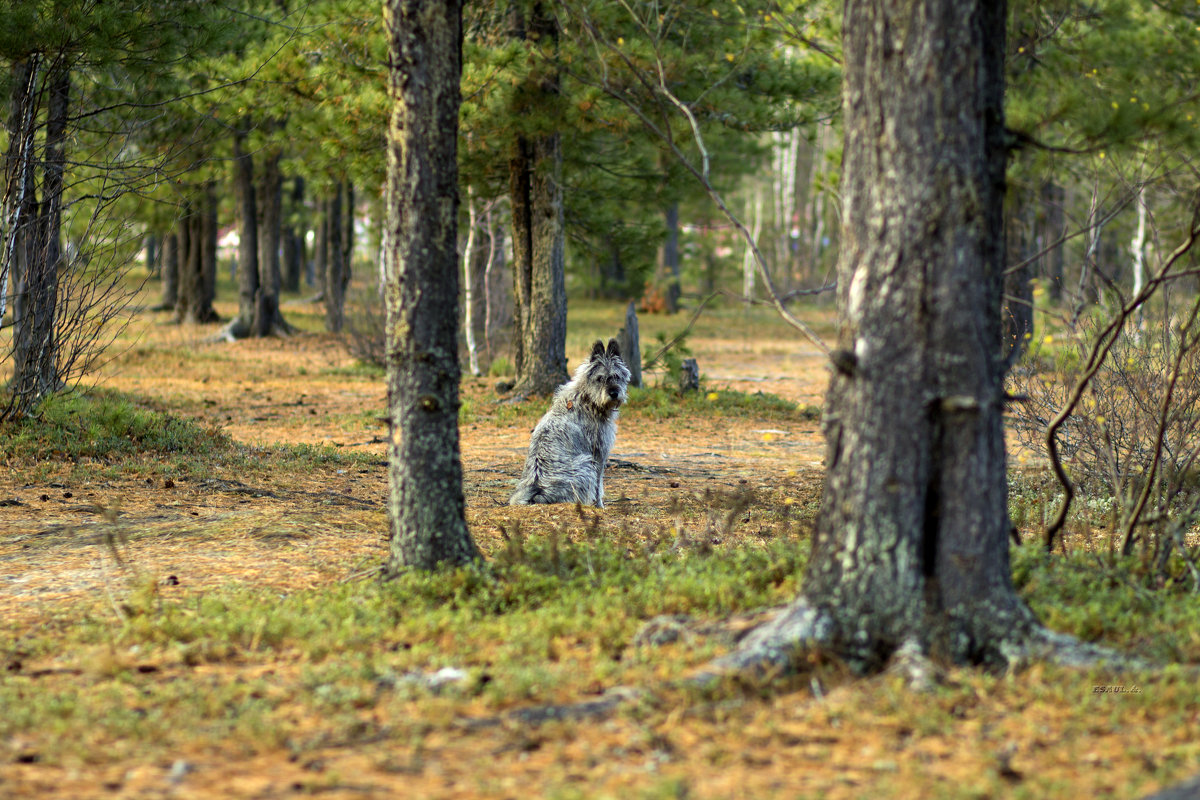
(179, 626)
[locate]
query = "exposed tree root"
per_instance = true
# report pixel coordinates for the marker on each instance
(802, 633)
(777, 646)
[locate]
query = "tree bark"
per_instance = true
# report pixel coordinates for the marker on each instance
(191, 275)
(210, 234)
(35, 349)
(497, 282)
(170, 272)
(670, 257)
(197, 247)
(1023, 246)
(335, 266)
(535, 194)
(912, 537)
(153, 256)
(911, 542)
(471, 282)
(321, 254)
(20, 196)
(1054, 262)
(247, 271)
(294, 245)
(425, 505)
(268, 317)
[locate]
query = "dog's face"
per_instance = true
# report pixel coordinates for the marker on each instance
(604, 376)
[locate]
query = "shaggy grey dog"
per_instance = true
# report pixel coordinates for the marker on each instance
(570, 445)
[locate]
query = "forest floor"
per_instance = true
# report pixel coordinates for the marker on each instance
(203, 625)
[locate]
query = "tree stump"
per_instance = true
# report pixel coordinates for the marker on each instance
(630, 344)
(689, 376)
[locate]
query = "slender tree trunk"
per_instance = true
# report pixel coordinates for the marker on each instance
(1018, 288)
(824, 134)
(210, 234)
(321, 256)
(670, 257)
(293, 238)
(425, 505)
(20, 196)
(335, 266)
(35, 349)
(1138, 251)
(348, 238)
(170, 272)
(248, 271)
(535, 193)
(153, 256)
(1054, 262)
(470, 299)
(748, 267)
(497, 287)
(191, 276)
(269, 319)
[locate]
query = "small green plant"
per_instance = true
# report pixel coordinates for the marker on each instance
(667, 356)
(665, 403)
(1132, 442)
(500, 367)
(101, 424)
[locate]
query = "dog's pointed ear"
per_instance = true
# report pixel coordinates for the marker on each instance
(597, 349)
(613, 348)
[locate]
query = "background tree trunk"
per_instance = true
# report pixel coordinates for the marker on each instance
(247, 268)
(294, 245)
(170, 272)
(535, 194)
(425, 505)
(336, 273)
(912, 537)
(670, 257)
(35, 350)
(153, 256)
(268, 317)
(210, 234)
(321, 254)
(20, 197)
(497, 281)
(1023, 245)
(190, 273)
(1054, 199)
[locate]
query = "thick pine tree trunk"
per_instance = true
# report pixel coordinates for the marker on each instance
(911, 545)
(912, 538)
(425, 505)
(535, 194)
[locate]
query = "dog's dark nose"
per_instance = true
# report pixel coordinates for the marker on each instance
(613, 393)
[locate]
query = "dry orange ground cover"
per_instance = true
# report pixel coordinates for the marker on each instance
(73, 538)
